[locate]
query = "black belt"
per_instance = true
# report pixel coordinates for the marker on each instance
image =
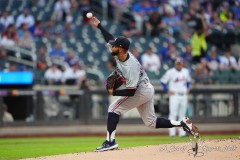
(180, 94)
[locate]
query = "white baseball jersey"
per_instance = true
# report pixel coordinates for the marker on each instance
(71, 74)
(151, 62)
(55, 75)
(177, 79)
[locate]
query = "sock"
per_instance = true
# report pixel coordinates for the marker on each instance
(164, 123)
(112, 122)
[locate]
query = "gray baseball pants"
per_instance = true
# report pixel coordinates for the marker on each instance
(143, 100)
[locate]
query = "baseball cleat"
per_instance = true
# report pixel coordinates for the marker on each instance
(107, 146)
(189, 127)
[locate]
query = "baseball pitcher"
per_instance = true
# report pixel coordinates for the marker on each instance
(134, 90)
(179, 80)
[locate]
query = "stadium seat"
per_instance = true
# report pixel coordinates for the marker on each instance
(235, 77)
(223, 76)
(88, 43)
(38, 76)
(15, 4)
(4, 4)
(94, 76)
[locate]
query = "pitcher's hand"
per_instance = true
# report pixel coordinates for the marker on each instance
(110, 91)
(170, 93)
(94, 22)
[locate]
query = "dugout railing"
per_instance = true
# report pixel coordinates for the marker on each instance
(59, 105)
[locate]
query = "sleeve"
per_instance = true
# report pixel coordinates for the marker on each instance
(32, 21)
(144, 63)
(60, 75)
(51, 53)
(165, 88)
(63, 54)
(164, 80)
(107, 36)
(158, 62)
(64, 76)
(57, 6)
(18, 22)
(233, 61)
(165, 77)
(222, 60)
(188, 82)
(188, 76)
(46, 75)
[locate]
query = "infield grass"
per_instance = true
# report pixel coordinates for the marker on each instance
(17, 148)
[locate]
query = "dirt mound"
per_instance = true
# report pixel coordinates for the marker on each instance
(208, 150)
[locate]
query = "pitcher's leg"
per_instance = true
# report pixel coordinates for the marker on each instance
(149, 118)
(113, 118)
(182, 114)
(114, 107)
(112, 122)
(173, 110)
(147, 114)
(146, 109)
(119, 107)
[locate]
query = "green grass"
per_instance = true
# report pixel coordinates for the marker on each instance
(17, 148)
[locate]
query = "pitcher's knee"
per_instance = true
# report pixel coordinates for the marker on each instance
(150, 124)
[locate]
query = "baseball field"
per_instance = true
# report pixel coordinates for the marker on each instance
(130, 147)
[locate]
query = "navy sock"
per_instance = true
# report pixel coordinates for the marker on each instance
(112, 122)
(163, 123)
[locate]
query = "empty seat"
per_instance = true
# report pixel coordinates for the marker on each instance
(235, 77)
(221, 76)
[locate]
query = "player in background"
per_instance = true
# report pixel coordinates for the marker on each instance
(178, 79)
(137, 91)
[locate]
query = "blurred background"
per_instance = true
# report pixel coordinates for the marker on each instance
(53, 64)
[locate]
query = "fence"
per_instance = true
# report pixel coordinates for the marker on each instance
(57, 105)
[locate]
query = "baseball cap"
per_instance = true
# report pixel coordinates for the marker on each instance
(25, 9)
(74, 61)
(213, 48)
(178, 60)
(121, 42)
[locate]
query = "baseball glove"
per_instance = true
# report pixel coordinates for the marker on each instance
(114, 81)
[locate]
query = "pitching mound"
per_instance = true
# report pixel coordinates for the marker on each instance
(208, 149)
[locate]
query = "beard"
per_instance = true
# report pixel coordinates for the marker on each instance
(178, 69)
(115, 53)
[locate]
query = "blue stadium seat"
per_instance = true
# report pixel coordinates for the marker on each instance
(3, 4)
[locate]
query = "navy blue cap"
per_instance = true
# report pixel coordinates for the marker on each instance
(121, 42)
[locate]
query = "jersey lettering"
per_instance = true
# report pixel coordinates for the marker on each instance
(180, 79)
